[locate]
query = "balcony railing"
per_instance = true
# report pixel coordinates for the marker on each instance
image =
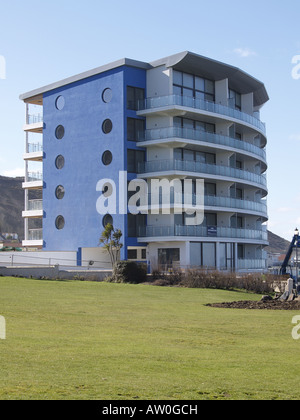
(191, 134)
(202, 232)
(34, 176)
(254, 264)
(35, 205)
(198, 167)
(34, 147)
(35, 118)
(35, 234)
(212, 201)
(200, 104)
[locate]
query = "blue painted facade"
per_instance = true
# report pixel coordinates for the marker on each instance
(82, 147)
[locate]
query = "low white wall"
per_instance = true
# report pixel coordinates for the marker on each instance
(43, 258)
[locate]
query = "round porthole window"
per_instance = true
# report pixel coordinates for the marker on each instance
(107, 95)
(107, 126)
(107, 219)
(60, 192)
(107, 158)
(60, 162)
(59, 132)
(60, 102)
(59, 222)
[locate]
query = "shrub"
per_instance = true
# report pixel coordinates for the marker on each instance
(129, 272)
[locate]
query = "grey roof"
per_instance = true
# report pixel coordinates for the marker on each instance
(184, 61)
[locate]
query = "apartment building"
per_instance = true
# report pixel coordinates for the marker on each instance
(183, 117)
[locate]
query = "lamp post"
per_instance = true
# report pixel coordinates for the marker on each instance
(296, 242)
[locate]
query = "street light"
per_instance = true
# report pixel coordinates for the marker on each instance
(296, 242)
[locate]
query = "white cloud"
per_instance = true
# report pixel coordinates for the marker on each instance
(244, 52)
(14, 172)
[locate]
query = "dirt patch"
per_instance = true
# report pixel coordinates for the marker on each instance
(249, 304)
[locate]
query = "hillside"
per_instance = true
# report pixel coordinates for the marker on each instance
(12, 204)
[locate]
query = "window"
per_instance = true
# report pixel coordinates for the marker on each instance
(60, 192)
(210, 189)
(193, 156)
(107, 158)
(186, 123)
(107, 95)
(210, 219)
(136, 224)
(167, 256)
(135, 129)
(203, 254)
(236, 222)
(132, 254)
(144, 254)
(107, 126)
(60, 162)
(107, 219)
(189, 85)
(235, 99)
(134, 95)
(59, 132)
(59, 222)
(134, 157)
(60, 102)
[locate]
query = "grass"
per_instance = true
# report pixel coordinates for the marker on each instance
(85, 340)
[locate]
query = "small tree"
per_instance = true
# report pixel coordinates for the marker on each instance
(110, 239)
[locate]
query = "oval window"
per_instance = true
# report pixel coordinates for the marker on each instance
(60, 102)
(107, 95)
(60, 162)
(60, 192)
(59, 222)
(107, 126)
(59, 132)
(107, 219)
(107, 158)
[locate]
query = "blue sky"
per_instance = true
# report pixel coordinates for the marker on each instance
(45, 41)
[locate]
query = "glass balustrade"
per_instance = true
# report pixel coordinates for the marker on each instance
(202, 231)
(35, 234)
(197, 135)
(35, 205)
(198, 167)
(200, 104)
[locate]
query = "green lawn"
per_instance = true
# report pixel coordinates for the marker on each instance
(85, 340)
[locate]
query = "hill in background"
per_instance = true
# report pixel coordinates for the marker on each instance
(12, 204)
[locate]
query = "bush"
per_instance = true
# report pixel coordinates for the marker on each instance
(129, 272)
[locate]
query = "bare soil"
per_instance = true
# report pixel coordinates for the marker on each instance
(248, 304)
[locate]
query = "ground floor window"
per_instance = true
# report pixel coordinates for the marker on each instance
(226, 256)
(203, 254)
(167, 256)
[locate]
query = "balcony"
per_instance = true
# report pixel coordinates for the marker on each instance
(201, 231)
(223, 203)
(256, 264)
(33, 180)
(163, 166)
(34, 123)
(35, 238)
(34, 210)
(171, 133)
(34, 152)
(169, 102)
